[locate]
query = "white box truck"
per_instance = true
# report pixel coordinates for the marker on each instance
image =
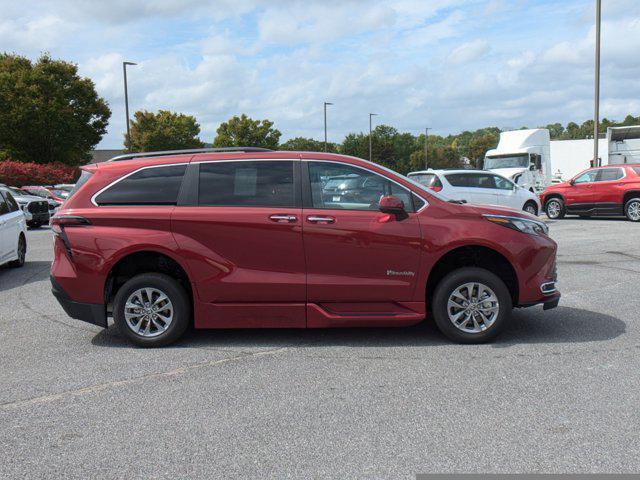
(524, 157)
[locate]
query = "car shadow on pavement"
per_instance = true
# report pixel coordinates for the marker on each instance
(31, 272)
(562, 325)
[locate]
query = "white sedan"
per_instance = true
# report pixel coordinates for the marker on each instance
(13, 231)
(480, 187)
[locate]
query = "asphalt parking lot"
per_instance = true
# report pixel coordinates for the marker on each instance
(558, 392)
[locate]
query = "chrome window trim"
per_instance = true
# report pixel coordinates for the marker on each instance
(95, 195)
(426, 203)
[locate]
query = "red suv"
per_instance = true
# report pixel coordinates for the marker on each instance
(613, 190)
(264, 239)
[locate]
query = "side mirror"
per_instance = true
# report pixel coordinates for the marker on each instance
(391, 204)
(572, 182)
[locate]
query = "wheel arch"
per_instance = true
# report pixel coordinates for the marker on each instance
(473, 255)
(147, 260)
(628, 196)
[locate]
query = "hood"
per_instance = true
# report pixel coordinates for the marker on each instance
(557, 186)
(500, 210)
(509, 172)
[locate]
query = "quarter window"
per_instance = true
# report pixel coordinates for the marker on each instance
(343, 187)
(11, 202)
(609, 174)
(4, 208)
(247, 184)
(473, 180)
(149, 186)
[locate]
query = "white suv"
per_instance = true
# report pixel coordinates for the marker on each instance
(478, 186)
(13, 231)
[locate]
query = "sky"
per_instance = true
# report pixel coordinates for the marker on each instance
(450, 65)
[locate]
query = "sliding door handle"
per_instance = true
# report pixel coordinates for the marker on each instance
(318, 219)
(283, 218)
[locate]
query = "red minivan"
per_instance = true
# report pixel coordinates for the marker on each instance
(250, 238)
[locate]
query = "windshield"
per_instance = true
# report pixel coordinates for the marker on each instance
(15, 192)
(507, 161)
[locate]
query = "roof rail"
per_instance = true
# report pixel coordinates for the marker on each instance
(129, 156)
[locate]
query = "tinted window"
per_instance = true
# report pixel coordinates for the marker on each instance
(473, 180)
(609, 174)
(336, 186)
(587, 177)
(4, 208)
(637, 170)
(84, 178)
(149, 186)
(247, 184)
(11, 202)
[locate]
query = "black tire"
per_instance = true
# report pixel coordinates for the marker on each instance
(531, 205)
(561, 210)
(631, 209)
(456, 279)
(22, 253)
(176, 294)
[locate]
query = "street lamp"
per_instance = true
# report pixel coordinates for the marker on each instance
(370, 148)
(596, 108)
(426, 151)
(325, 124)
(126, 101)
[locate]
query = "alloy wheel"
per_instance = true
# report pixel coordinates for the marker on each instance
(553, 209)
(473, 307)
(531, 209)
(633, 210)
(148, 312)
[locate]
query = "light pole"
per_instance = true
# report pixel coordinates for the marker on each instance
(325, 124)
(370, 148)
(426, 146)
(596, 108)
(126, 101)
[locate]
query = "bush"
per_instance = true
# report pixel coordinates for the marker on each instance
(23, 173)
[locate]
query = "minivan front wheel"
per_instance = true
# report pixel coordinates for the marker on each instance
(152, 310)
(471, 305)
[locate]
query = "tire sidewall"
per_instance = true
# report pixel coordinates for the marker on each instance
(530, 203)
(457, 278)
(626, 208)
(170, 287)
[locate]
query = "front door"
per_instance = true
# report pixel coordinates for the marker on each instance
(580, 196)
(361, 263)
(244, 244)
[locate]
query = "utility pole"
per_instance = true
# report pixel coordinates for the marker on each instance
(325, 124)
(426, 147)
(126, 102)
(370, 147)
(596, 109)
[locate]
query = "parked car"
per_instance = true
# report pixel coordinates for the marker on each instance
(612, 190)
(251, 239)
(35, 209)
(479, 187)
(54, 200)
(13, 231)
(66, 187)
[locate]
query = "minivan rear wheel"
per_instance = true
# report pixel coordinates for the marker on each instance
(471, 305)
(152, 310)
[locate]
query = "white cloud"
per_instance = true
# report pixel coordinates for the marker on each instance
(469, 52)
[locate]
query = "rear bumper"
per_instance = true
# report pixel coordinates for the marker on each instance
(94, 313)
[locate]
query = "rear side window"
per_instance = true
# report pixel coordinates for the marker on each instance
(458, 179)
(4, 208)
(247, 184)
(609, 174)
(149, 186)
(429, 180)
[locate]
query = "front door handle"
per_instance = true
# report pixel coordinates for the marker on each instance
(283, 218)
(315, 219)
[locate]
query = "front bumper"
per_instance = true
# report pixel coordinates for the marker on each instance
(94, 313)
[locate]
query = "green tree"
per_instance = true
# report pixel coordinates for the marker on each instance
(164, 130)
(48, 112)
(243, 131)
(302, 144)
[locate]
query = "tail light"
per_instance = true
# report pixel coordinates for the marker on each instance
(60, 222)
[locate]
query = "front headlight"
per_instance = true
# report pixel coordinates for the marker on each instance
(523, 225)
